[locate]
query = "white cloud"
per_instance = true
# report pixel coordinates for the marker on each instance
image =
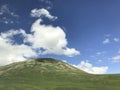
(13, 53)
(6, 13)
(98, 53)
(13, 32)
(116, 58)
(101, 53)
(51, 39)
(43, 39)
(46, 1)
(4, 9)
(116, 39)
(42, 12)
(119, 51)
(88, 67)
(99, 60)
(106, 41)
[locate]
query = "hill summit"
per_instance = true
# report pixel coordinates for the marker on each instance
(39, 65)
(52, 74)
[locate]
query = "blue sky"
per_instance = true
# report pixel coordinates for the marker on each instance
(84, 33)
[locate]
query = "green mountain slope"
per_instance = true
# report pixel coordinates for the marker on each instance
(51, 74)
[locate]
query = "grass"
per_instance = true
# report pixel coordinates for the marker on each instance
(51, 74)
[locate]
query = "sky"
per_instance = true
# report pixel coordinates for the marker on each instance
(83, 33)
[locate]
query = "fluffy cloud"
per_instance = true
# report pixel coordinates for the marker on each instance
(51, 39)
(42, 12)
(43, 39)
(88, 67)
(12, 53)
(106, 41)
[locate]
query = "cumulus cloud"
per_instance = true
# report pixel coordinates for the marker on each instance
(88, 67)
(51, 39)
(43, 39)
(12, 52)
(106, 41)
(42, 12)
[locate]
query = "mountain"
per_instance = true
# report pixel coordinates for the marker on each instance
(52, 74)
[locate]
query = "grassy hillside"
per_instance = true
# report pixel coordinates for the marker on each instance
(51, 74)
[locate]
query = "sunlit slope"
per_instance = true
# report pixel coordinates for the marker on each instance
(51, 74)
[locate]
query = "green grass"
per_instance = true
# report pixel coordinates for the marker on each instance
(50, 74)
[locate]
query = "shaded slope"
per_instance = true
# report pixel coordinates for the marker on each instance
(51, 74)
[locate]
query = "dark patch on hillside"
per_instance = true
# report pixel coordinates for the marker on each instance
(50, 60)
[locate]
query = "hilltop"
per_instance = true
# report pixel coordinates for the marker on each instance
(52, 74)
